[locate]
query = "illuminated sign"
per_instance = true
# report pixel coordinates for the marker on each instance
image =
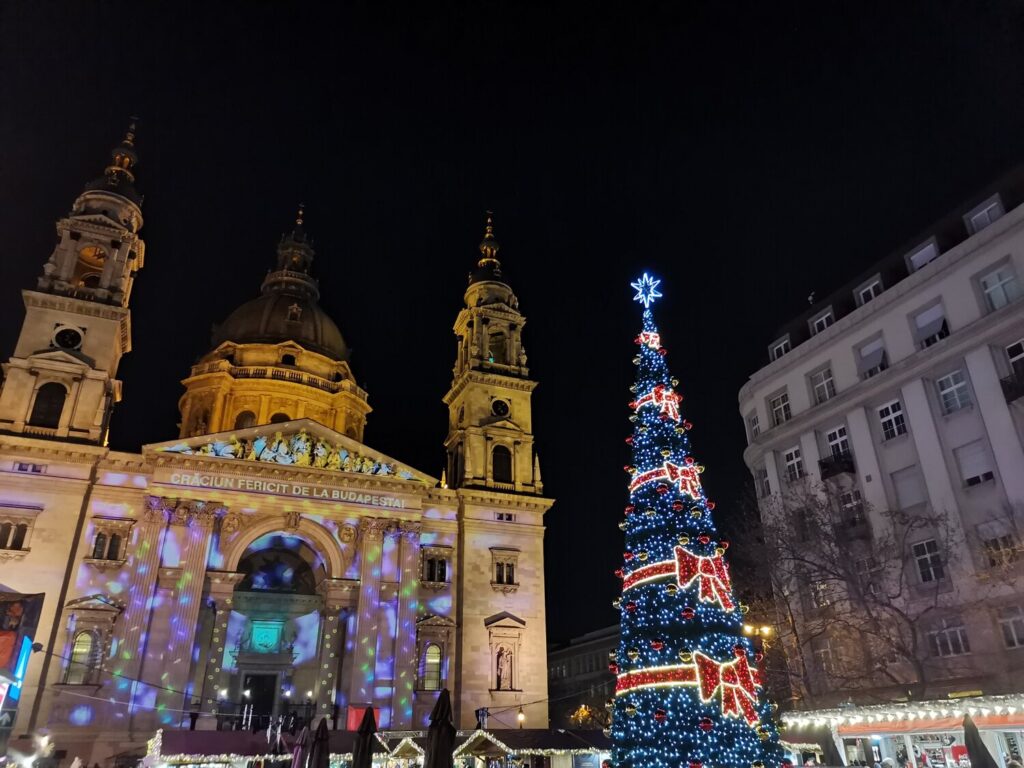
(284, 488)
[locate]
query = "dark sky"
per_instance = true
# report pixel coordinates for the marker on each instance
(746, 153)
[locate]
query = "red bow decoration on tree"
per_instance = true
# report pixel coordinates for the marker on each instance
(711, 573)
(651, 339)
(663, 397)
(687, 478)
(737, 680)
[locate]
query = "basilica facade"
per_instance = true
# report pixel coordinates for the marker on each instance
(265, 560)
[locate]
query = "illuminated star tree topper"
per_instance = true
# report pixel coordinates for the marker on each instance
(646, 290)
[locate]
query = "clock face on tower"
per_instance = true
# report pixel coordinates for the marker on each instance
(499, 408)
(67, 338)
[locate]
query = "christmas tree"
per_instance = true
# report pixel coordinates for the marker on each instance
(687, 694)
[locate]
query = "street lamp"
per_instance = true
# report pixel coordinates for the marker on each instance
(521, 717)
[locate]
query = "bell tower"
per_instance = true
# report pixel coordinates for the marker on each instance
(490, 425)
(61, 382)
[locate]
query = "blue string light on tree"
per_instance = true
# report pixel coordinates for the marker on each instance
(687, 693)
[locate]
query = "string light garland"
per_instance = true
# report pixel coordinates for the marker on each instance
(687, 690)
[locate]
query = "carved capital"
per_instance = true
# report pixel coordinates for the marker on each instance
(193, 513)
(410, 530)
(156, 510)
(292, 519)
(375, 528)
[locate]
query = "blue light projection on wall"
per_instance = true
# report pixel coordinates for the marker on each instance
(81, 715)
(236, 626)
(307, 629)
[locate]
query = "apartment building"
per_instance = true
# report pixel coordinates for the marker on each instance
(885, 441)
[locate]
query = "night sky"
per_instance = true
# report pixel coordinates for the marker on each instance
(746, 154)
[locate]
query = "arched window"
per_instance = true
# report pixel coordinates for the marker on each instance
(277, 418)
(5, 534)
(287, 359)
(496, 347)
(49, 405)
(245, 419)
(501, 464)
(114, 549)
(20, 532)
(82, 659)
(432, 668)
(99, 547)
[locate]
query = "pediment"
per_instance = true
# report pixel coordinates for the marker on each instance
(63, 356)
(94, 603)
(506, 424)
(97, 219)
(430, 620)
(505, 619)
(302, 443)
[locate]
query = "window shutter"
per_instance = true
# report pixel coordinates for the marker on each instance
(871, 355)
(909, 488)
(973, 459)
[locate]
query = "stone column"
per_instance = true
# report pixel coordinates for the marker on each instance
(866, 460)
(222, 592)
(371, 550)
(143, 560)
(999, 424)
(405, 643)
(332, 634)
(196, 518)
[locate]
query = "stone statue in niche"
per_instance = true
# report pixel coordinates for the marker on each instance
(504, 669)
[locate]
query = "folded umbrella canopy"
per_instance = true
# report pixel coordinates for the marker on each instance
(440, 734)
(362, 748)
(976, 749)
(300, 750)
(320, 754)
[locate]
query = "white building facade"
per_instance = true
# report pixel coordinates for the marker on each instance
(898, 401)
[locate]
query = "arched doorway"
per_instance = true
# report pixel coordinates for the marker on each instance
(274, 629)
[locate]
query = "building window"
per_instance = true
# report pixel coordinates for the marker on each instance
(430, 678)
(975, 463)
(922, 256)
(852, 507)
(83, 659)
(821, 595)
(505, 517)
(826, 662)
(1000, 287)
(1015, 352)
(868, 292)
(821, 322)
(779, 406)
(983, 215)
(753, 425)
(245, 419)
(761, 484)
(278, 418)
(779, 348)
(838, 443)
(435, 569)
(99, 547)
(1011, 621)
(1000, 549)
(823, 385)
(871, 359)
(891, 418)
(929, 561)
(949, 639)
(35, 469)
(501, 464)
(12, 535)
(504, 569)
(794, 463)
(287, 359)
(930, 326)
(953, 394)
(49, 405)
(496, 347)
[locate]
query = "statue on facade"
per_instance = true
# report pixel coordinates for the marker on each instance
(504, 676)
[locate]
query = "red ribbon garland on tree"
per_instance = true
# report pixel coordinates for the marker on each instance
(687, 478)
(650, 338)
(662, 397)
(735, 682)
(710, 572)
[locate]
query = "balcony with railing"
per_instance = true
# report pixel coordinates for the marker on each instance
(836, 464)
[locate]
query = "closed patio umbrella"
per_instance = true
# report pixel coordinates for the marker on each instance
(300, 750)
(440, 734)
(976, 749)
(362, 748)
(320, 754)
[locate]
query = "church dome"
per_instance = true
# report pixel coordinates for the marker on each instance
(283, 316)
(288, 309)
